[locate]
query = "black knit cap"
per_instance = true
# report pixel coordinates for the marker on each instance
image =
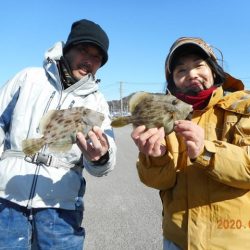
(85, 31)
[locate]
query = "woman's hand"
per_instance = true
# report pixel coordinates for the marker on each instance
(193, 136)
(149, 141)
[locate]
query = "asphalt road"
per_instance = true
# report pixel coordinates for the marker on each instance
(121, 212)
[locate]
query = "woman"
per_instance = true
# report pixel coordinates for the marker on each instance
(202, 169)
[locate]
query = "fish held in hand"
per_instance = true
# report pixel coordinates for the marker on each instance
(154, 110)
(59, 129)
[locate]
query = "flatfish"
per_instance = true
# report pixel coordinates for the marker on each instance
(154, 110)
(59, 128)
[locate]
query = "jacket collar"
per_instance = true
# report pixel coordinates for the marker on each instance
(84, 86)
(231, 84)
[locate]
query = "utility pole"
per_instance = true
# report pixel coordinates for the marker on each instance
(121, 98)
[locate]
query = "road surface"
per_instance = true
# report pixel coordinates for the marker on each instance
(121, 212)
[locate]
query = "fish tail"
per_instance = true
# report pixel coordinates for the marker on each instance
(121, 121)
(31, 146)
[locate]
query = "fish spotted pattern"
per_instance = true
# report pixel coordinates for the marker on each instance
(59, 128)
(154, 110)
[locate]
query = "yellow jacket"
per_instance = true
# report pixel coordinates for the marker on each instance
(206, 202)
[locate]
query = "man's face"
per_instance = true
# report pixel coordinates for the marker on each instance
(84, 59)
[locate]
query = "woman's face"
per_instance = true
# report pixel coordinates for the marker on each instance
(192, 74)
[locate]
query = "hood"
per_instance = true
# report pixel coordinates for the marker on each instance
(55, 52)
(83, 87)
(232, 84)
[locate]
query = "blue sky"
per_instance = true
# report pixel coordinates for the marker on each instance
(140, 31)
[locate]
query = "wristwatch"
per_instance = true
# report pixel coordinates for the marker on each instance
(103, 159)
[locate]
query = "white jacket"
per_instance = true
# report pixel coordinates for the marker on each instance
(23, 101)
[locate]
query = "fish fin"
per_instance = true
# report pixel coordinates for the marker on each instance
(45, 120)
(168, 124)
(60, 147)
(63, 145)
(85, 129)
(31, 146)
(121, 121)
(135, 99)
(189, 116)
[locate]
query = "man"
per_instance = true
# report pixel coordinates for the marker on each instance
(41, 196)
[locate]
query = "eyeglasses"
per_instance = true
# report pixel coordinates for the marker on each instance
(86, 51)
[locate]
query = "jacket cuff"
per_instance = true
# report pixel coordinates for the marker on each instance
(155, 162)
(208, 151)
(101, 170)
(102, 161)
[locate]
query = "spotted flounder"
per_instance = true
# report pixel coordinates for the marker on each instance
(154, 110)
(59, 128)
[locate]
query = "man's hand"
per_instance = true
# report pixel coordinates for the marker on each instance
(96, 146)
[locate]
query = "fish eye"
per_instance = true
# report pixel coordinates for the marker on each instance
(174, 102)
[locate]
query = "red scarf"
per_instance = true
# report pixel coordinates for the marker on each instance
(198, 101)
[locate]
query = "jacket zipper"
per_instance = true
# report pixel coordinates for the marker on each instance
(34, 182)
